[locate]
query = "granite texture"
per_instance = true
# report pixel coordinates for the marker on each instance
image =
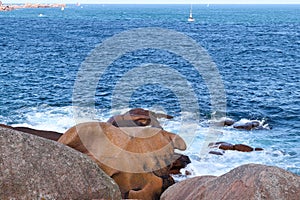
(36, 168)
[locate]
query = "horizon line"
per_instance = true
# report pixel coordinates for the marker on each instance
(165, 3)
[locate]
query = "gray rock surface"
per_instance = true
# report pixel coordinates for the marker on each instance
(251, 182)
(36, 168)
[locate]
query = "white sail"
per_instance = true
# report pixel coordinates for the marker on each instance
(191, 19)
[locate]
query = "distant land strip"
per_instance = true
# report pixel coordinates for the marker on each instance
(4, 7)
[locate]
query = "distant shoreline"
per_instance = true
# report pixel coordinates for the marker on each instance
(4, 7)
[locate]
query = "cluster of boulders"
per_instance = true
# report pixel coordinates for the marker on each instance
(4, 7)
(224, 146)
(242, 124)
(131, 157)
(132, 149)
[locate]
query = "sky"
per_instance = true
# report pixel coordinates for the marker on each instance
(158, 1)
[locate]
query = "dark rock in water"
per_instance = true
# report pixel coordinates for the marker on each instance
(224, 145)
(258, 149)
(224, 121)
(216, 153)
(227, 146)
(181, 162)
(141, 111)
(138, 117)
(251, 182)
(246, 125)
(242, 147)
(51, 135)
(35, 168)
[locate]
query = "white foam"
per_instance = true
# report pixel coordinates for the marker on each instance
(197, 138)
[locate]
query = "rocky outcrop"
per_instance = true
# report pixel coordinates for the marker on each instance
(29, 5)
(234, 147)
(224, 121)
(251, 182)
(180, 162)
(137, 158)
(247, 124)
(138, 117)
(35, 168)
(243, 124)
(51, 135)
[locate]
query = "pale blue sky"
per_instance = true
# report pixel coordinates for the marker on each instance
(159, 1)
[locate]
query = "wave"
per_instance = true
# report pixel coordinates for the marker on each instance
(197, 135)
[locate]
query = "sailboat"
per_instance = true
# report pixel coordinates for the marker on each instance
(191, 19)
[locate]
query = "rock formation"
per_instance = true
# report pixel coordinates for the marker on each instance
(251, 182)
(242, 124)
(51, 135)
(137, 158)
(234, 147)
(138, 117)
(29, 5)
(35, 168)
(180, 162)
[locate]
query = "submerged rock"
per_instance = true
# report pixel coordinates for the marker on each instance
(251, 182)
(35, 168)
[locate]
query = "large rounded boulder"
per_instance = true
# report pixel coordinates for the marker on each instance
(32, 167)
(251, 182)
(139, 159)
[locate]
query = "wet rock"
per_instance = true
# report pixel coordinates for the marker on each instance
(246, 124)
(243, 148)
(251, 182)
(181, 162)
(216, 153)
(258, 149)
(35, 168)
(224, 121)
(225, 146)
(237, 147)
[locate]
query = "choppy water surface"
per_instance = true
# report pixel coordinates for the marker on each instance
(255, 48)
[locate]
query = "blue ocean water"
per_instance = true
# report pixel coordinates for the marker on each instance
(256, 49)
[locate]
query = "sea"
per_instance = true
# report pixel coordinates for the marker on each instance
(89, 62)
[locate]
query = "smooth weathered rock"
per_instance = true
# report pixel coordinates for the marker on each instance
(34, 168)
(251, 182)
(138, 117)
(183, 189)
(51, 135)
(137, 158)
